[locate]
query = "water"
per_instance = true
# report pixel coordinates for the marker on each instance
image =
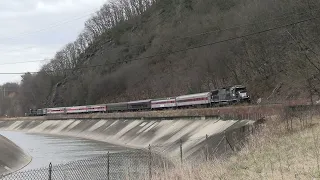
(58, 149)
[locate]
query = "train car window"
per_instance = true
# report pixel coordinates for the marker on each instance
(241, 89)
(215, 92)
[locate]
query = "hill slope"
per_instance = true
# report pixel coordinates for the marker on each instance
(173, 47)
(275, 152)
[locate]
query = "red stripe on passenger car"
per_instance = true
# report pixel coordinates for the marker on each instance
(72, 109)
(167, 102)
(195, 99)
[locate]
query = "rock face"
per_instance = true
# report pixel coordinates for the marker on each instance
(12, 157)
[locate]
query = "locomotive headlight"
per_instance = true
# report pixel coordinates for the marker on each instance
(233, 94)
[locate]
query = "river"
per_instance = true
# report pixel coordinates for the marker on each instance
(58, 149)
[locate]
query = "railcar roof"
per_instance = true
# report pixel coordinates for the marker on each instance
(159, 99)
(118, 103)
(55, 107)
(97, 105)
(229, 87)
(239, 86)
(193, 95)
(140, 101)
(75, 106)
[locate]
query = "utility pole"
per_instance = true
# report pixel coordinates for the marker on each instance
(3, 94)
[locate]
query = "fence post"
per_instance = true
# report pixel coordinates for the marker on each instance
(207, 148)
(229, 144)
(50, 171)
(108, 165)
(150, 162)
(181, 151)
(225, 142)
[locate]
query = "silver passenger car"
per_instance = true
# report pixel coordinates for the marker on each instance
(194, 99)
(169, 102)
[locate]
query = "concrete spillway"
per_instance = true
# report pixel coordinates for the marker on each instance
(12, 157)
(164, 134)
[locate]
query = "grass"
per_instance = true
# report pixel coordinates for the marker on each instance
(276, 152)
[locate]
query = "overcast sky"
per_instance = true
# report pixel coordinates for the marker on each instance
(32, 30)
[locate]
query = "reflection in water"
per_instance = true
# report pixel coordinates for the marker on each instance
(57, 149)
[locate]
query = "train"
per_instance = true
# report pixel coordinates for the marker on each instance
(223, 96)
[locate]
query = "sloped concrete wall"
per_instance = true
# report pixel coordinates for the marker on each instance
(165, 135)
(12, 157)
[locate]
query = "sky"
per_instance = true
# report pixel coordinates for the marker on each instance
(33, 30)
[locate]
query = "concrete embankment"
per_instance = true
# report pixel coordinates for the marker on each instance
(163, 134)
(12, 157)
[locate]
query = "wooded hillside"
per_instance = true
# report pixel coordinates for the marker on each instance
(136, 49)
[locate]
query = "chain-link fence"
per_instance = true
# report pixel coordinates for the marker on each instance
(125, 165)
(142, 163)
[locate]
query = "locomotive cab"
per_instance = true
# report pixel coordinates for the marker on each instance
(239, 93)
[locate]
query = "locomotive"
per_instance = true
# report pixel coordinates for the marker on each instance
(218, 97)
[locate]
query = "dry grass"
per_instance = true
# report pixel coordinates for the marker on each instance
(275, 153)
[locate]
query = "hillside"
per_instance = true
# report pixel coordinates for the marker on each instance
(136, 49)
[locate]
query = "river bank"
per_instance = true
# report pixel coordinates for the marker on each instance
(45, 149)
(12, 157)
(165, 134)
